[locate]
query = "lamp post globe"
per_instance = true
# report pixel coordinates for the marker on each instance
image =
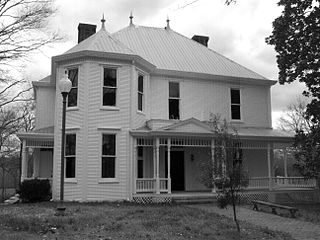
(64, 86)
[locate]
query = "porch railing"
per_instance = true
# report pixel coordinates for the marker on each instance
(163, 184)
(145, 185)
(258, 183)
(281, 182)
(149, 185)
(293, 182)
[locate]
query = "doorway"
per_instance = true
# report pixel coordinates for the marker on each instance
(176, 170)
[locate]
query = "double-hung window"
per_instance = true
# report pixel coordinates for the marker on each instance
(109, 91)
(108, 161)
(73, 94)
(140, 93)
(174, 100)
(235, 104)
(70, 156)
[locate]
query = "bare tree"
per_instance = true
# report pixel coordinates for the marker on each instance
(23, 30)
(226, 172)
(295, 117)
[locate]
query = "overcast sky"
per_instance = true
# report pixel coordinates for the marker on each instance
(237, 31)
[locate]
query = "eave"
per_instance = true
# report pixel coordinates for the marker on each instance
(132, 58)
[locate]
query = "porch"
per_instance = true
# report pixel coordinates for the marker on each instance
(160, 162)
(37, 154)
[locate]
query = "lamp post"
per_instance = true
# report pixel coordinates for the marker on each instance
(65, 86)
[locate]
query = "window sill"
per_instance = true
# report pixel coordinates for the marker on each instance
(109, 108)
(141, 113)
(108, 180)
(236, 121)
(71, 180)
(69, 109)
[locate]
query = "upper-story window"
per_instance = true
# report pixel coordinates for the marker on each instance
(108, 161)
(140, 93)
(70, 155)
(235, 104)
(73, 94)
(109, 87)
(174, 100)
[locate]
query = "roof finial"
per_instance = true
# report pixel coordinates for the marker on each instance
(103, 21)
(131, 17)
(168, 22)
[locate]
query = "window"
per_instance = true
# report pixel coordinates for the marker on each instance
(140, 162)
(108, 156)
(109, 87)
(140, 93)
(73, 94)
(235, 104)
(174, 100)
(70, 155)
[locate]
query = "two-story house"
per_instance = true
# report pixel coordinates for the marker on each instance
(137, 115)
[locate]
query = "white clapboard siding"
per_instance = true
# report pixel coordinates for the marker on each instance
(199, 98)
(45, 103)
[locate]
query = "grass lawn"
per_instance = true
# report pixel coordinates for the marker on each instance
(121, 221)
(308, 212)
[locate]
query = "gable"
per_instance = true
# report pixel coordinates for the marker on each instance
(191, 125)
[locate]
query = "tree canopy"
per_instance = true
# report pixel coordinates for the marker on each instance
(296, 38)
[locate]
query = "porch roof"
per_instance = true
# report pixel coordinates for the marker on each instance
(38, 134)
(193, 127)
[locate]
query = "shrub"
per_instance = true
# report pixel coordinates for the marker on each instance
(35, 190)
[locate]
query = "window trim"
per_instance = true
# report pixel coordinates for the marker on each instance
(236, 104)
(107, 107)
(73, 179)
(142, 93)
(108, 180)
(76, 107)
(174, 98)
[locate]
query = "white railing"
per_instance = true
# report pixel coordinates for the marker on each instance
(258, 182)
(293, 182)
(163, 184)
(281, 182)
(145, 185)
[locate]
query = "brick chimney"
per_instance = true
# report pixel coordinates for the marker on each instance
(85, 31)
(201, 39)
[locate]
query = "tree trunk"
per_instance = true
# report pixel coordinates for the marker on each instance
(3, 185)
(234, 210)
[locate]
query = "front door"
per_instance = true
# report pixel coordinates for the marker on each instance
(177, 170)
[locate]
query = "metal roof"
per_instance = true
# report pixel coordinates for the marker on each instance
(101, 41)
(169, 50)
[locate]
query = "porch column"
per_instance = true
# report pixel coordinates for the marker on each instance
(36, 163)
(213, 163)
(224, 167)
(285, 163)
(24, 160)
(157, 167)
(168, 164)
(135, 163)
(269, 167)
